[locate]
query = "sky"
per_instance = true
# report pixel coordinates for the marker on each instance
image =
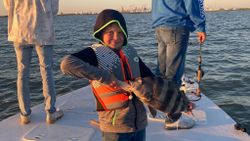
(73, 6)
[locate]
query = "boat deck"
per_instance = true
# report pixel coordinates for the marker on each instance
(212, 123)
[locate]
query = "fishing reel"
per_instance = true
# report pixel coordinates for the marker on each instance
(189, 87)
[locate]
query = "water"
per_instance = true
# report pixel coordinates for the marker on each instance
(225, 59)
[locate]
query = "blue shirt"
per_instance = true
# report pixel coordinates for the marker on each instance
(179, 13)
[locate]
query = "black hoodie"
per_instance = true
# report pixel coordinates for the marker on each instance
(105, 18)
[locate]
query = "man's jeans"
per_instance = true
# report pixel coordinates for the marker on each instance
(172, 46)
(133, 136)
(23, 56)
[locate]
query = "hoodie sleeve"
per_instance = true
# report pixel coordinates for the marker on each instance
(196, 12)
(83, 67)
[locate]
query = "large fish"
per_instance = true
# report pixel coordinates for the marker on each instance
(158, 93)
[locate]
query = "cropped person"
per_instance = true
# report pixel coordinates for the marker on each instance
(30, 26)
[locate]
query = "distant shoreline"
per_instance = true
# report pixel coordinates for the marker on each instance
(90, 13)
(128, 12)
(72, 14)
(231, 9)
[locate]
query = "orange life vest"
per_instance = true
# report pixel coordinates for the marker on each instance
(109, 97)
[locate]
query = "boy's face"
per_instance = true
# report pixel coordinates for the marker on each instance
(113, 36)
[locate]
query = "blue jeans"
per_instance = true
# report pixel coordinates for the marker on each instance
(172, 46)
(23, 56)
(133, 136)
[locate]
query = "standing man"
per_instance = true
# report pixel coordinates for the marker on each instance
(30, 25)
(173, 20)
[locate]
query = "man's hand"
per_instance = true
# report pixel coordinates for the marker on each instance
(201, 36)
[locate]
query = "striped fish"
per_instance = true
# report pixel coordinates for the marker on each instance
(158, 93)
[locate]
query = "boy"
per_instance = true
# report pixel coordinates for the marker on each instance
(122, 115)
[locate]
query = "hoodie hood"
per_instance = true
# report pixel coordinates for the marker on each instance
(105, 18)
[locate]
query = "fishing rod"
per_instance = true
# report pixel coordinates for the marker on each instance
(200, 73)
(197, 82)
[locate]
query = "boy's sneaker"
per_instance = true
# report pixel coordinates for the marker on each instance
(184, 122)
(53, 117)
(25, 119)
